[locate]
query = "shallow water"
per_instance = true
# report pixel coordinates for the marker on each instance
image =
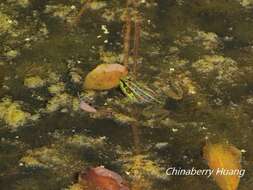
(49, 151)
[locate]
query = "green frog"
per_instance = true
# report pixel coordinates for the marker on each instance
(141, 93)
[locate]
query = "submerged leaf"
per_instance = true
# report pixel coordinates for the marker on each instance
(86, 107)
(105, 76)
(225, 161)
(100, 178)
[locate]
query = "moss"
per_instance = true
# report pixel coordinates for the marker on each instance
(12, 114)
(34, 82)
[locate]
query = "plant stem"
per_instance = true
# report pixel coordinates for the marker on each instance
(137, 32)
(137, 35)
(127, 34)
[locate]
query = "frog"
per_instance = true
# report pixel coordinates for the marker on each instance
(138, 92)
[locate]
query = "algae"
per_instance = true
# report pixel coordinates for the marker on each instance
(56, 88)
(61, 101)
(96, 5)
(222, 70)
(6, 23)
(140, 166)
(85, 141)
(44, 157)
(34, 82)
(75, 186)
(142, 170)
(12, 114)
(246, 3)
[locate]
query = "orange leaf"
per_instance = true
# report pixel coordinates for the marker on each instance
(225, 161)
(105, 76)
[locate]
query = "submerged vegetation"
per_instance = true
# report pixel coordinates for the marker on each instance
(135, 86)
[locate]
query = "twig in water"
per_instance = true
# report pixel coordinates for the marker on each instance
(127, 34)
(137, 35)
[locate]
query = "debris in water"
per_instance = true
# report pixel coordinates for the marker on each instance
(102, 179)
(105, 76)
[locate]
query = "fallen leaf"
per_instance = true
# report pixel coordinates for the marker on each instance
(86, 107)
(105, 76)
(100, 178)
(225, 161)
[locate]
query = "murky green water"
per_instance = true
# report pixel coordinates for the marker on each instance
(46, 139)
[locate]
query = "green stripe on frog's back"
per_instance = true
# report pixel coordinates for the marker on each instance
(138, 92)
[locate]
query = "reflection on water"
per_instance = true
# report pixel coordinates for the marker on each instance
(205, 47)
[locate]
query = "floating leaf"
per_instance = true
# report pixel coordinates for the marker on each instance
(105, 76)
(100, 178)
(225, 162)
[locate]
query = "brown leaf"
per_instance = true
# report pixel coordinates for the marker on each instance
(105, 76)
(224, 158)
(100, 178)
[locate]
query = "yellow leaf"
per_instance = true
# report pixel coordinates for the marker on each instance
(105, 76)
(225, 162)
